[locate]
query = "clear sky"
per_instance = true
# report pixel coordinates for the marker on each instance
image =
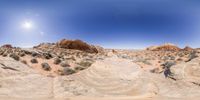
(109, 23)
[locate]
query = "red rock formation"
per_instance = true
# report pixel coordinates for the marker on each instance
(7, 46)
(187, 48)
(77, 45)
(165, 47)
(71, 44)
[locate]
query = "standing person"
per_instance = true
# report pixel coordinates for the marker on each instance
(167, 72)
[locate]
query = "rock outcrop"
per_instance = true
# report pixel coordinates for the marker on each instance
(7, 46)
(71, 44)
(187, 48)
(77, 45)
(165, 47)
(189, 71)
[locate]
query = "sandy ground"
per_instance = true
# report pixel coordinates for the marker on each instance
(104, 98)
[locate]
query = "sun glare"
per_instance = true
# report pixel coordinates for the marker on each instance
(27, 25)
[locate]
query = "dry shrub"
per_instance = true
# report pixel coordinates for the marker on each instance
(66, 71)
(85, 64)
(15, 56)
(46, 66)
(34, 60)
(24, 61)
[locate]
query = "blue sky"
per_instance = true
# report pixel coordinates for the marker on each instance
(109, 23)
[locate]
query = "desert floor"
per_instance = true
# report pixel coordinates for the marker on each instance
(112, 75)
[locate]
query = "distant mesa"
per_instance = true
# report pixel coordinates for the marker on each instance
(164, 47)
(169, 47)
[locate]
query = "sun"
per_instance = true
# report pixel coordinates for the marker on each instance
(27, 25)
